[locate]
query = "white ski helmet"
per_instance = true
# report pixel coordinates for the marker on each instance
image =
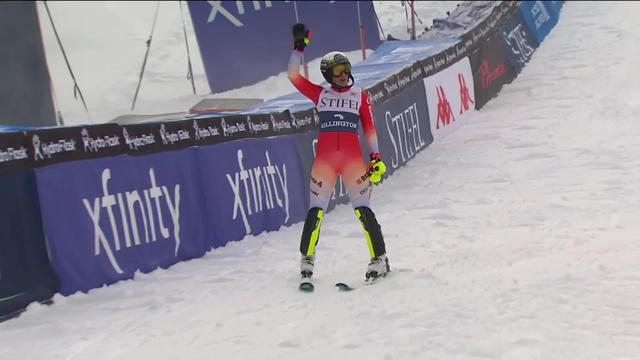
(332, 59)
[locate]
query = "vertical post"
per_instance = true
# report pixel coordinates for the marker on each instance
(413, 20)
(146, 56)
(304, 62)
(189, 68)
(362, 46)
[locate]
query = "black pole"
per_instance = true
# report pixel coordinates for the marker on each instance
(146, 55)
(190, 69)
(76, 88)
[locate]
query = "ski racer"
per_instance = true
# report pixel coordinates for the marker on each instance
(341, 108)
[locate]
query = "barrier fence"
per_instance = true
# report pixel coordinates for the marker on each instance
(87, 206)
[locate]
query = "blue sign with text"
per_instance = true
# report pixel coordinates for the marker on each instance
(539, 18)
(251, 186)
(517, 40)
(243, 42)
(107, 218)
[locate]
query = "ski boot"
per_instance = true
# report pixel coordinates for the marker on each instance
(378, 267)
(379, 264)
(309, 240)
(306, 266)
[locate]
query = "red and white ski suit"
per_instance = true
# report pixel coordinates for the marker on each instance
(338, 148)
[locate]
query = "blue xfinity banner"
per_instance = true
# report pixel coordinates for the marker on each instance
(251, 186)
(243, 42)
(107, 218)
(539, 17)
(517, 40)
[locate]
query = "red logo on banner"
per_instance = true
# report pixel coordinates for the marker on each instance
(465, 98)
(445, 114)
(489, 76)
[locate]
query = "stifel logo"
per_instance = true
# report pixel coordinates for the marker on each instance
(465, 98)
(445, 114)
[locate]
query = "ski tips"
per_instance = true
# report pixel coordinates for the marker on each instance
(306, 287)
(344, 287)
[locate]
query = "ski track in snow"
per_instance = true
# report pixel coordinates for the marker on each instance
(516, 238)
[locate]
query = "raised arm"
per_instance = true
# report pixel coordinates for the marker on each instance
(306, 87)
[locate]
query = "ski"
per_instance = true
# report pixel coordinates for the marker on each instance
(306, 286)
(367, 282)
(344, 287)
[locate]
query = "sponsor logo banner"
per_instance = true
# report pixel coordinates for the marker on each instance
(218, 129)
(470, 40)
(101, 140)
(264, 125)
(396, 83)
(252, 186)
(304, 121)
(554, 6)
(450, 98)
(232, 34)
(144, 138)
(55, 145)
(108, 218)
(25, 272)
(491, 70)
(14, 152)
(176, 135)
(540, 17)
(518, 42)
(402, 126)
(207, 131)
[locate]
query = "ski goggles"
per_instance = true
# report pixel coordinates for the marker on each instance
(339, 69)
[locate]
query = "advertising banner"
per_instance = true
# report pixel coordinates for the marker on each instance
(402, 126)
(517, 41)
(554, 6)
(107, 218)
(14, 154)
(241, 44)
(142, 139)
(539, 18)
(54, 145)
(306, 120)
(491, 70)
(215, 129)
(395, 83)
(25, 272)
(471, 37)
(450, 98)
(251, 186)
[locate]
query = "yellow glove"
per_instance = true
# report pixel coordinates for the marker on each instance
(376, 168)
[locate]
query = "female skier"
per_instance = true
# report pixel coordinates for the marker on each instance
(341, 107)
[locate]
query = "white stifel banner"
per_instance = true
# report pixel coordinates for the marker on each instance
(450, 98)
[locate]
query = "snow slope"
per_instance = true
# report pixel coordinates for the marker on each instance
(518, 238)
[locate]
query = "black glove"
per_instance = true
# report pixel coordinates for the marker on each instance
(301, 36)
